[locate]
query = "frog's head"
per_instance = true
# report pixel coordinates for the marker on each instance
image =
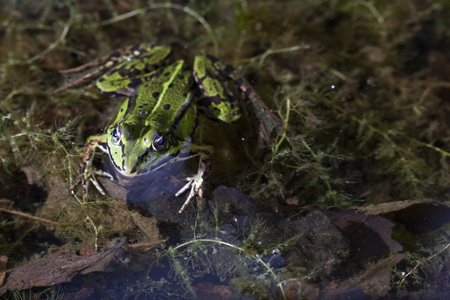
(134, 149)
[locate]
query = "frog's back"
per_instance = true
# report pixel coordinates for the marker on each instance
(159, 101)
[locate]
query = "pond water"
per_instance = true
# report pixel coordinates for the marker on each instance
(348, 198)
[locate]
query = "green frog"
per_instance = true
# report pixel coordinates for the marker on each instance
(155, 124)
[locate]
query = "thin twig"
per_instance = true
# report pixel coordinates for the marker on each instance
(147, 245)
(58, 41)
(15, 212)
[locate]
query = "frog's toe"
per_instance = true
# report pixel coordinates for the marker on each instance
(196, 184)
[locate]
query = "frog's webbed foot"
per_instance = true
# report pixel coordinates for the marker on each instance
(84, 181)
(94, 181)
(196, 184)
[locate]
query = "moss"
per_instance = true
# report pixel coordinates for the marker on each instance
(361, 85)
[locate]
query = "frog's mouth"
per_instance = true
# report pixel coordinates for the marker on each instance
(149, 162)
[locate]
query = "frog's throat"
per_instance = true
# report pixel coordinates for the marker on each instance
(163, 162)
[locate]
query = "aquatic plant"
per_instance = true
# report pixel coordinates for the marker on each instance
(236, 259)
(361, 86)
(49, 149)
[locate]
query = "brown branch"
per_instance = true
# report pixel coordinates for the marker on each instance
(15, 212)
(146, 245)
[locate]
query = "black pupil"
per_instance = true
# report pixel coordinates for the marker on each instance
(114, 133)
(159, 143)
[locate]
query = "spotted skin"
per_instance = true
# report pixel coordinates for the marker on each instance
(128, 64)
(155, 124)
(220, 102)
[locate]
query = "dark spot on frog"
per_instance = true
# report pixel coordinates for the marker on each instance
(135, 47)
(166, 74)
(167, 106)
(115, 55)
(212, 58)
(124, 73)
(180, 76)
(228, 69)
(173, 140)
(238, 82)
(155, 95)
(171, 85)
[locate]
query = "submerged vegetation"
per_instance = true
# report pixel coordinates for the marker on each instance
(362, 87)
(29, 140)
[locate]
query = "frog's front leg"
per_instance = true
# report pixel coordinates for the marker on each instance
(197, 182)
(87, 171)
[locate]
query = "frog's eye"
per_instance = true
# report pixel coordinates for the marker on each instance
(116, 135)
(159, 143)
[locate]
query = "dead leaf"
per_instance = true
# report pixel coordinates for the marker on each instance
(86, 250)
(62, 267)
(363, 231)
(418, 216)
(375, 280)
(147, 225)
